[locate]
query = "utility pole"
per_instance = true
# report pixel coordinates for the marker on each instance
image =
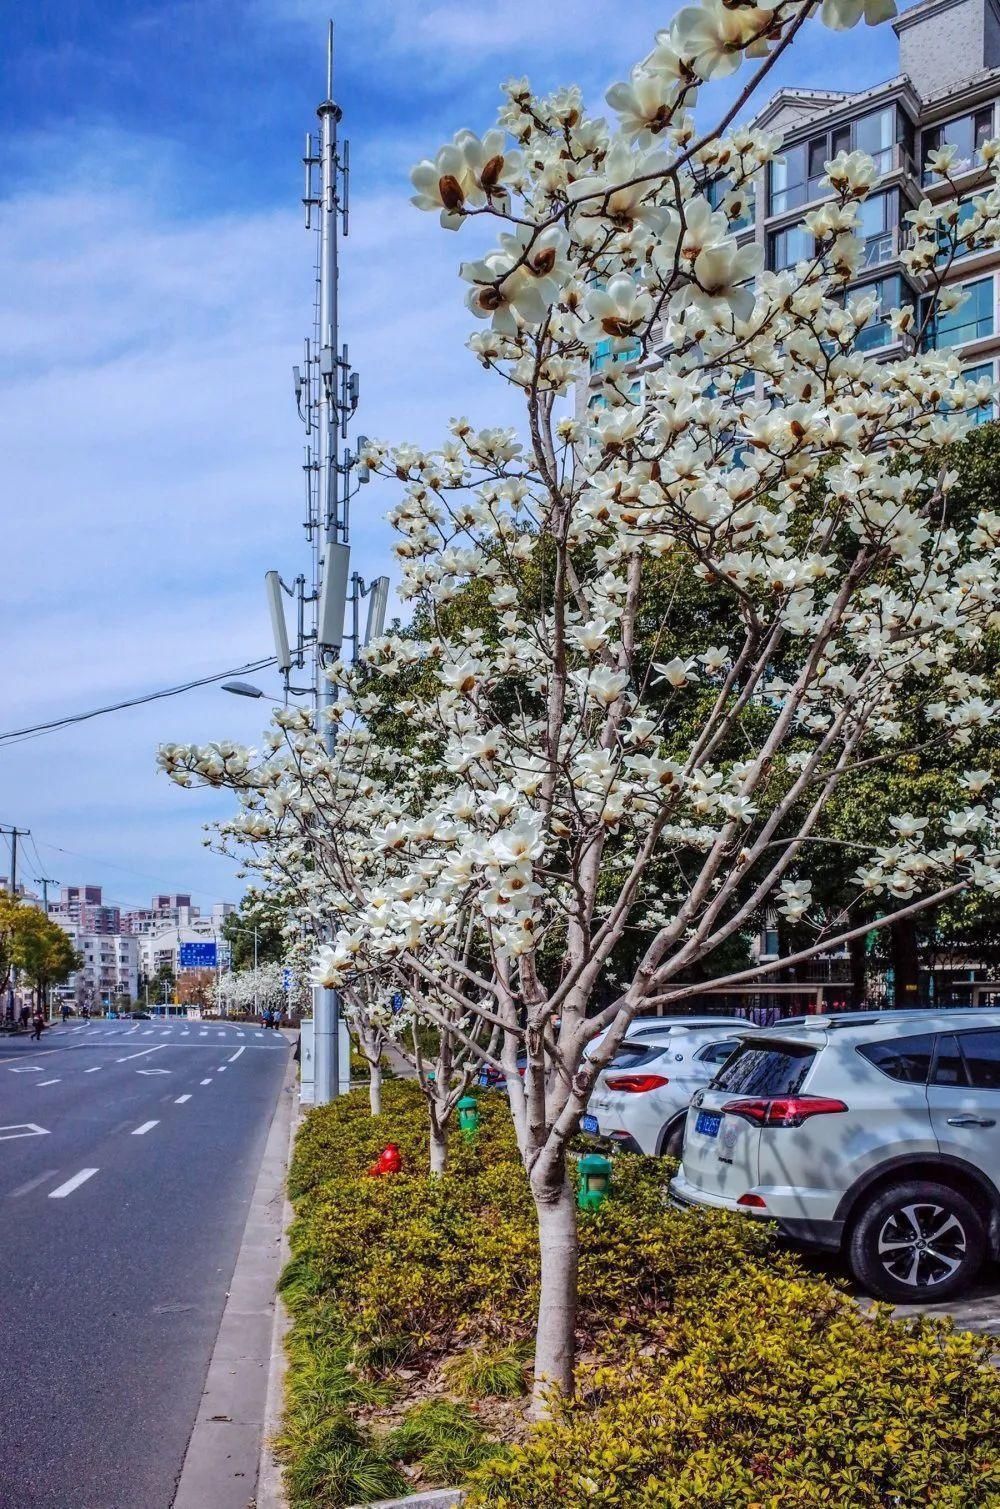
(45, 881)
(15, 834)
(326, 395)
(336, 397)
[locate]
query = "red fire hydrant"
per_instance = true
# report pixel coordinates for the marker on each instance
(389, 1161)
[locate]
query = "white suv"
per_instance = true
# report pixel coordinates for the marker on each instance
(877, 1135)
(640, 1100)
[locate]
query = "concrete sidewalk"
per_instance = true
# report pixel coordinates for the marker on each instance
(224, 1455)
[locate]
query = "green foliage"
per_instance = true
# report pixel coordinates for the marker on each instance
(722, 1375)
(444, 1438)
(267, 913)
(781, 1396)
(489, 1372)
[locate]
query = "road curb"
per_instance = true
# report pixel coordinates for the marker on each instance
(436, 1498)
(223, 1457)
(270, 1487)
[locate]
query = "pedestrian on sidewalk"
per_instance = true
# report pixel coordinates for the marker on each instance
(65, 1011)
(37, 1024)
(25, 1015)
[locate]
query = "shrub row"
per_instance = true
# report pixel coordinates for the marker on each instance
(719, 1372)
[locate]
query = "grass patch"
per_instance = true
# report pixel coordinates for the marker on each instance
(444, 1438)
(487, 1372)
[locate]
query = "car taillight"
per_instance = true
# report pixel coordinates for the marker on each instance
(754, 1202)
(635, 1084)
(784, 1111)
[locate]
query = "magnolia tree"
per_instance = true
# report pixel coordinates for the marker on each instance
(585, 809)
(260, 989)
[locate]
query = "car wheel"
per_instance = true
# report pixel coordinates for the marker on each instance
(916, 1242)
(673, 1143)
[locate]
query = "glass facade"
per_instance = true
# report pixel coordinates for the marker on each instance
(891, 293)
(955, 327)
(982, 370)
(605, 355)
(966, 132)
(877, 222)
(788, 246)
(798, 179)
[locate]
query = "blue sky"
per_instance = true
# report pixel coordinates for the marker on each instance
(154, 292)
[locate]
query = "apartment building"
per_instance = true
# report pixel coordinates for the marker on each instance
(947, 91)
(110, 968)
(85, 908)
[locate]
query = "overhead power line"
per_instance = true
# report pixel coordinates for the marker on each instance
(35, 730)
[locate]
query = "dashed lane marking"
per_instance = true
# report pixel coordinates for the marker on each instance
(147, 1126)
(181, 1100)
(206, 1081)
(72, 1184)
(235, 1055)
(41, 1083)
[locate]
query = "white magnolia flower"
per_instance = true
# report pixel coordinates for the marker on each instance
(841, 15)
(676, 671)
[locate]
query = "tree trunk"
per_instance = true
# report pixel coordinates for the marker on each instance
(555, 1338)
(905, 963)
(438, 1149)
(375, 1087)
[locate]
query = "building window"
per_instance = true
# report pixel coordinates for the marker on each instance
(967, 133)
(799, 178)
(717, 190)
(877, 222)
(982, 372)
(786, 248)
(955, 327)
(965, 212)
(604, 353)
(890, 293)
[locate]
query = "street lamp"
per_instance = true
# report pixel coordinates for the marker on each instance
(242, 689)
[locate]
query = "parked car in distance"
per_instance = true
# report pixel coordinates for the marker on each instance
(140, 1016)
(644, 1026)
(877, 1135)
(640, 1100)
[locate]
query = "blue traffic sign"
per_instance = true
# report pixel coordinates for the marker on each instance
(198, 956)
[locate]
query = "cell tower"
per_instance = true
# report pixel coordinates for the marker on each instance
(326, 395)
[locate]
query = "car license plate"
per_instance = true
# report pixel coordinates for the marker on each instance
(588, 1124)
(708, 1123)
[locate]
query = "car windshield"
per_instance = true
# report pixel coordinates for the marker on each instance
(760, 1068)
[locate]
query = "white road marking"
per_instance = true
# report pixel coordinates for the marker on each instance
(148, 1032)
(235, 1055)
(22, 1129)
(27, 1069)
(240, 1034)
(94, 1070)
(206, 1081)
(72, 1184)
(154, 1071)
(221, 1069)
(25, 1189)
(142, 1053)
(181, 1099)
(41, 1083)
(147, 1126)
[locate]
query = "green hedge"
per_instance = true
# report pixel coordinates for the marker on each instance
(719, 1373)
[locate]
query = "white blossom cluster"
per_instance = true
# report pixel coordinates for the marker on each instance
(569, 774)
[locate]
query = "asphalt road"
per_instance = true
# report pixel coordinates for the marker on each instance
(128, 1155)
